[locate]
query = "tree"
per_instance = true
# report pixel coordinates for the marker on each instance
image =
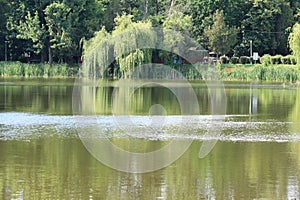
(175, 23)
(58, 22)
(266, 25)
(54, 28)
(221, 37)
(3, 31)
(294, 41)
(31, 28)
(122, 44)
(202, 12)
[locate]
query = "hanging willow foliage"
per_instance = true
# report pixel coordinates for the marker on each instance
(123, 45)
(131, 36)
(97, 53)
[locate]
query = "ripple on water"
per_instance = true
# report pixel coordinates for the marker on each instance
(26, 126)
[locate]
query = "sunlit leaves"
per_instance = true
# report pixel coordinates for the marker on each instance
(127, 44)
(294, 41)
(56, 16)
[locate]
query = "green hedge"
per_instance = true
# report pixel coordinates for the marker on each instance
(245, 60)
(224, 60)
(275, 60)
(234, 60)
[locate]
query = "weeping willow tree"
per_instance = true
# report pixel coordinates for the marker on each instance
(96, 60)
(127, 45)
(129, 37)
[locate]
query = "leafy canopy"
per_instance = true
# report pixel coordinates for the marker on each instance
(294, 41)
(221, 37)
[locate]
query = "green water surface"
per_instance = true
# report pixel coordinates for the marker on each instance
(42, 157)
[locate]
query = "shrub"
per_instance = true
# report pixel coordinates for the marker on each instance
(293, 59)
(276, 59)
(234, 60)
(224, 60)
(244, 60)
(286, 60)
(265, 60)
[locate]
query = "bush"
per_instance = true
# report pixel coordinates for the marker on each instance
(286, 60)
(224, 60)
(234, 60)
(265, 60)
(275, 60)
(293, 59)
(244, 60)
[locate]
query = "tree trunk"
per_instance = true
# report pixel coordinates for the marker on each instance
(42, 56)
(156, 3)
(50, 55)
(171, 8)
(146, 9)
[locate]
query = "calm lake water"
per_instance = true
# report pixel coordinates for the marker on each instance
(42, 157)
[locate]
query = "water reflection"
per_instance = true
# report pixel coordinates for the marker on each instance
(53, 98)
(257, 156)
(51, 168)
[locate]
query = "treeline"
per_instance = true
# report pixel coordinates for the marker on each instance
(53, 31)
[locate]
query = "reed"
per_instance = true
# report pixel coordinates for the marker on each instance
(37, 70)
(282, 73)
(258, 72)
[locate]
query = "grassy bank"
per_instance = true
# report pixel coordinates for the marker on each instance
(19, 69)
(243, 72)
(259, 72)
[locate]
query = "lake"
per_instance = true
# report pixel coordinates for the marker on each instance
(43, 155)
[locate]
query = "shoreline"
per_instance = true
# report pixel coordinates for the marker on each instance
(280, 73)
(70, 81)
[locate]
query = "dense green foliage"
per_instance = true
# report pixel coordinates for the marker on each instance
(221, 37)
(123, 44)
(53, 29)
(294, 41)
